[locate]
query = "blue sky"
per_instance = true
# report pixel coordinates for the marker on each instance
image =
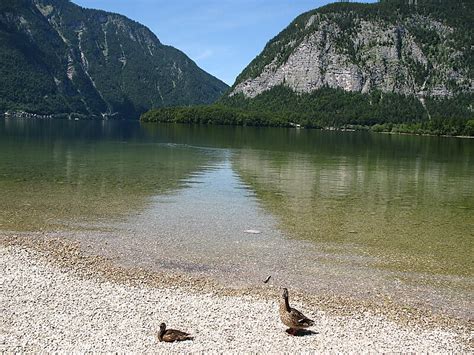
(221, 36)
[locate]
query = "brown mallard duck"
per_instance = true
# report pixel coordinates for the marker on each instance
(291, 317)
(172, 335)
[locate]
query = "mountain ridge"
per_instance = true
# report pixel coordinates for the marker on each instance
(400, 66)
(57, 57)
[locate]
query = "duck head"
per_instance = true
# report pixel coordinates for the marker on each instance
(162, 327)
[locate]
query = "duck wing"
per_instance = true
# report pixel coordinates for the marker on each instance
(300, 318)
(176, 335)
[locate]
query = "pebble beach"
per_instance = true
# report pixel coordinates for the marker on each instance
(55, 299)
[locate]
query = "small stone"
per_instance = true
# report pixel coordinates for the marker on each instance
(252, 231)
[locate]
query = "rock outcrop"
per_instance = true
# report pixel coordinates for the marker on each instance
(361, 48)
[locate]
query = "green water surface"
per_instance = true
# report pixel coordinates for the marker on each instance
(404, 201)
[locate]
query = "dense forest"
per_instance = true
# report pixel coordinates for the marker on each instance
(330, 108)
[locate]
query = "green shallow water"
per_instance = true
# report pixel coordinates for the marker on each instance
(414, 212)
(329, 204)
(56, 173)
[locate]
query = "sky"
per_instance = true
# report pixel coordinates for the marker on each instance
(221, 36)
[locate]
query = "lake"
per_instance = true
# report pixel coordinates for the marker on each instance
(351, 213)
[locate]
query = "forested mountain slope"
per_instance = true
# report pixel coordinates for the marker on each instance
(59, 58)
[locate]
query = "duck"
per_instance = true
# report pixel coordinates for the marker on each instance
(172, 335)
(292, 318)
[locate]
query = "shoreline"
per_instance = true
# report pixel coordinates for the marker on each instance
(338, 321)
(289, 126)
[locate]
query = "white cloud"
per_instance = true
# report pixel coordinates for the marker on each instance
(204, 55)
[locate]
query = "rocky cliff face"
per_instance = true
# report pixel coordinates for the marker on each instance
(57, 57)
(360, 48)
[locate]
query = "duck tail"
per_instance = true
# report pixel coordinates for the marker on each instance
(306, 322)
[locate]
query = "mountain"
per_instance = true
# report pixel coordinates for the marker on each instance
(59, 58)
(349, 63)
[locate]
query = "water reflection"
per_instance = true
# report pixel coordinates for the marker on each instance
(414, 213)
(60, 173)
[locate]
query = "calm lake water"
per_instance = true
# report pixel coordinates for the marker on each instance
(339, 212)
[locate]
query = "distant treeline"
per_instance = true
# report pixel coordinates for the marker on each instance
(216, 114)
(331, 108)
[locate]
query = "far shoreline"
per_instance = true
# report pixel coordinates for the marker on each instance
(289, 125)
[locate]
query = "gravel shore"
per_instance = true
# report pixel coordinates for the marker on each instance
(48, 307)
